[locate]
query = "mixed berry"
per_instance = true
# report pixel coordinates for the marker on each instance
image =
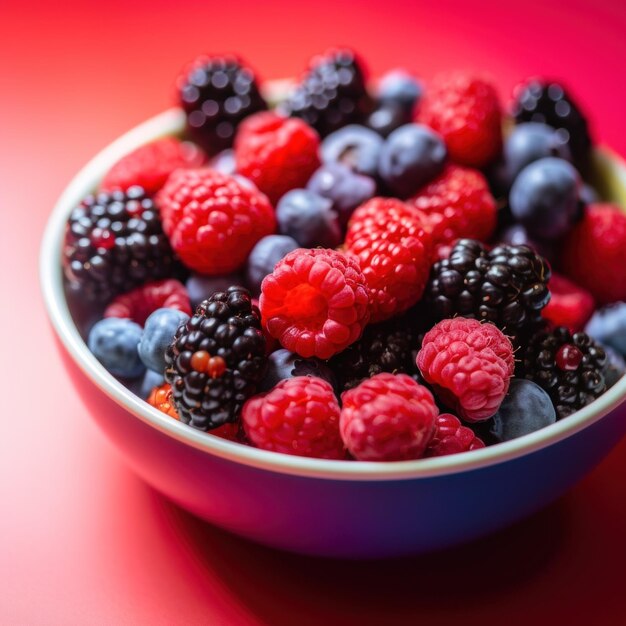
(362, 271)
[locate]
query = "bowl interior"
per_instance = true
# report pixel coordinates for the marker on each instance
(68, 315)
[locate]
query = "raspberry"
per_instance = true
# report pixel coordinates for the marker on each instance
(466, 112)
(451, 437)
(299, 416)
(387, 418)
(149, 166)
(140, 302)
(276, 154)
(594, 253)
(569, 305)
(212, 220)
(394, 251)
(469, 364)
(315, 302)
(457, 204)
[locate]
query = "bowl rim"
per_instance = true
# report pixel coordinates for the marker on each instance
(171, 122)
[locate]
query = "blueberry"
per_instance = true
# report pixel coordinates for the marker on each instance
(608, 326)
(158, 332)
(399, 87)
(264, 256)
(143, 386)
(308, 218)
(388, 116)
(526, 408)
(114, 342)
(284, 364)
(517, 235)
(411, 156)
(224, 162)
(356, 146)
(200, 287)
(530, 142)
(544, 197)
(615, 366)
(588, 195)
(343, 187)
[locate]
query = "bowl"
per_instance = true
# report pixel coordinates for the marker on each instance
(319, 507)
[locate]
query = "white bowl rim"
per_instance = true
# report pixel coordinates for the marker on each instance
(171, 122)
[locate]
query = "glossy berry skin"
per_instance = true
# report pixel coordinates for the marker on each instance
(355, 146)
(212, 220)
(299, 416)
(331, 93)
(469, 365)
(544, 197)
(143, 387)
(569, 305)
(594, 253)
(465, 111)
(264, 256)
(139, 303)
(224, 162)
(114, 343)
(386, 117)
(161, 398)
(217, 93)
(457, 204)
(150, 165)
(399, 87)
(526, 408)
(343, 187)
(388, 418)
(308, 218)
(608, 326)
(200, 287)
(530, 142)
(283, 364)
(315, 302)
(517, 235)
(411, 156)
(115, 242)
(158, 333)
(451, 437)
(395, 252)
(548, 102)
(276, 154)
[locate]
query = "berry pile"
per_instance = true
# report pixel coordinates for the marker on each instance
(374, 272)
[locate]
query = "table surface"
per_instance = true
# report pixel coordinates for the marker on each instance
(82, 540)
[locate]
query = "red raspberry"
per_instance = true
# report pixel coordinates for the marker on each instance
(161, 398)
(139, 303)
(212, 220)
(387, 417)
(457, 205)
(315, 302)
(469, 365)
(569, 305)
(451, 437)
(594, 253)
(276, 153)
(298, 416)
(394, 250)
(149, 166)
(465, 110)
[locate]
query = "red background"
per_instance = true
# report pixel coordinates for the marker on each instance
(84, 541)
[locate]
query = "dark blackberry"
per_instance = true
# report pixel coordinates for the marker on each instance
(386, 347)
(114, 242)
(332, 93)
(548, 102)
(570, 367)
(217, 93)
(506, 286)
(217, 359)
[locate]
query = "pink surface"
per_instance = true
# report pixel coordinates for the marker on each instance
(81, 539)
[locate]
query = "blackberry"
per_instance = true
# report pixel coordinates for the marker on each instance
(217, 93)
(570, 367)
(114, 242)
(386, 347)
(332, 93)
(217, 359)
(549, 103)
(506, 286)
